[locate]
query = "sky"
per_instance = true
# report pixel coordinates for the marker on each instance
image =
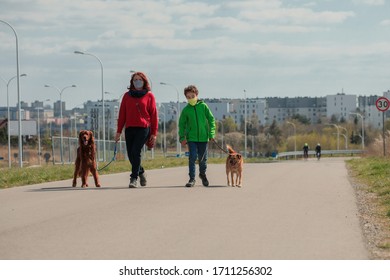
(267, 48)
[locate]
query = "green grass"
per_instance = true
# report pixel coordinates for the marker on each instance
(374, 173)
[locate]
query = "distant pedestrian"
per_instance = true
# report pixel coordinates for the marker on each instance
(196, 128)
(318, 151)
(138, 114)
(47, 157)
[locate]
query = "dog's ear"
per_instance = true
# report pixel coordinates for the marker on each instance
(80, 135)
(91, 139)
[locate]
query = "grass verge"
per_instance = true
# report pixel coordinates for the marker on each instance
(371, 175)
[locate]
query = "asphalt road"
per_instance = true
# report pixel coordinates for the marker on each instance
(285, 210)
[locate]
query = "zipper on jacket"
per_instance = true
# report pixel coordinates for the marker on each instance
(197, 122)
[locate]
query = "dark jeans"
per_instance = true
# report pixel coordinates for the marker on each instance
(197, 150)
(135, 140)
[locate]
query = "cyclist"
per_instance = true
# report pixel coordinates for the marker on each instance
(305, 151)
(318, 151)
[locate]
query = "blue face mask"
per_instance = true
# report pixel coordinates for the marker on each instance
(138, 84)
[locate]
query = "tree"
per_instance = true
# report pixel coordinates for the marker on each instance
(229, 125)
(3, 135)
(275, 132)
(302, 119)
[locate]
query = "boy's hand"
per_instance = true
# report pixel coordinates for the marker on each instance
(184, 142)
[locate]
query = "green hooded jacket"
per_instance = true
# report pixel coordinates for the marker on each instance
(196, 123)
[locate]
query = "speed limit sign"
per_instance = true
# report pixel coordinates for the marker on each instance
(382, 104)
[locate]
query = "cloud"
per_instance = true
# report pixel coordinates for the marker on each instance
(370, 2)
(385, 22)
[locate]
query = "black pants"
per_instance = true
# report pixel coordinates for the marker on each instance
(135, 140)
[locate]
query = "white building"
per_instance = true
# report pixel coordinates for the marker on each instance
(95, 117)
(340, 105)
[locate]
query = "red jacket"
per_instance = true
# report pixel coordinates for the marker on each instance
(138, 112)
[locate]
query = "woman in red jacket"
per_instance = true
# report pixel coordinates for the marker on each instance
(138, 113)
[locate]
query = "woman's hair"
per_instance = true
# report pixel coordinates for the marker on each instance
(191, 88)
(144, 78)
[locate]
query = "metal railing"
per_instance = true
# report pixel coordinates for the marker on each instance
(324, 152)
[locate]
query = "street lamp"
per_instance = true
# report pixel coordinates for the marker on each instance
(104, 118)
(222, 131)
(61, 135)
(19, 99)
(164, 131)
(245, 121)
(338, 134)
(295, 139)
(178, 147)
(39, 135)
(345, 136)
(9, 118)
(357, 114)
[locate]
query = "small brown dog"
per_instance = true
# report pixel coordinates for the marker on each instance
(234, 165)
(86, 159)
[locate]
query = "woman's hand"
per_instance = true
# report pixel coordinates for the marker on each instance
(117, 136)
(151, 141)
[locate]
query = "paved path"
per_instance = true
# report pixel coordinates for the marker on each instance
(286, 210)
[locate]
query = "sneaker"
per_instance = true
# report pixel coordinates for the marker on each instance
(205, 182)
(190, 183)
(133, 183)
(142, 179)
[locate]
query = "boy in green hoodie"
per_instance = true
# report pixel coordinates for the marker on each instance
(196, 128)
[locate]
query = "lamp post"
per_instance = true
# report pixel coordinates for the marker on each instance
(338, 134)
(9, 118)
(61, 134)
(165, 135)
(345, 136)
(104, 113)
(222, 130)
(19, 99)
(295, 139)
(178, 147)
(39, 134)
(245, 121)
(361, 116)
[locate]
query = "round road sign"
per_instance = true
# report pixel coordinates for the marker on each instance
(382, 104)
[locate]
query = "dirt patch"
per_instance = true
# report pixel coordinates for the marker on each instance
(375, 224)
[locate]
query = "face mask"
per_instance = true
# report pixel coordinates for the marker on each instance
(138, 84)
(192, 101)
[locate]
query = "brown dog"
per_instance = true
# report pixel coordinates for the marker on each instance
(86, 159)
(234, 165)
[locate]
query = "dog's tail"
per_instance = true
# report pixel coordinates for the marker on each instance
(230, 149)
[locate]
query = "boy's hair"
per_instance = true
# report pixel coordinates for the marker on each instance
(191, 88)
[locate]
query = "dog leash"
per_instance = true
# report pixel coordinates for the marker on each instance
(219, 146)
(113, 159)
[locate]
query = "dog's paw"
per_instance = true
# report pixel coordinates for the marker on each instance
(74, 185)
(98, 185)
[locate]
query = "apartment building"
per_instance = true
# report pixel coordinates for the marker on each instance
(283, 109)
(340, 105)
